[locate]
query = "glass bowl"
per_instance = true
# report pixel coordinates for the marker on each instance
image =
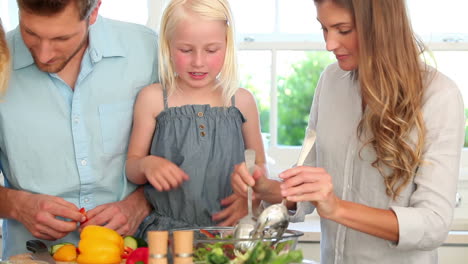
(207, 237)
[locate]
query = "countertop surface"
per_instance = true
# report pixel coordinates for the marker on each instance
(311, 229)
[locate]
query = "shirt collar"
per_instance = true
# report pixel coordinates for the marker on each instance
(103, 42)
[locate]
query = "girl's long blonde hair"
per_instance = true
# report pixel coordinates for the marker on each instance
(390, 74)
(218, 10)
(4, 62)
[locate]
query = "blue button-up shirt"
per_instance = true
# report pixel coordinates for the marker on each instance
(72, 144)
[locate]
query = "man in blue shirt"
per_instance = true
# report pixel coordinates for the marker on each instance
(65, 122)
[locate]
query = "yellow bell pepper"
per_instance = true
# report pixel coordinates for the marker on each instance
(100, 245)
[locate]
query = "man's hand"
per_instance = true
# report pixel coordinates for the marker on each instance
(124, 216)
(236, 208)
(39, 212)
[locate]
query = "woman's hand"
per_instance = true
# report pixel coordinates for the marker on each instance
(163, 174)
(311, 184)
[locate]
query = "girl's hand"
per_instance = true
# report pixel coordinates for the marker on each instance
(241, 178)
(163, 174)
(311, 184)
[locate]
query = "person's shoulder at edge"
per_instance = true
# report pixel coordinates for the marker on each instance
(437, 83)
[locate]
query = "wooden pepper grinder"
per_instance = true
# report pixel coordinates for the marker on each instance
(183, 247)
(157, 243)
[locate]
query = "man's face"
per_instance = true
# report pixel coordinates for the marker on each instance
(54, 40)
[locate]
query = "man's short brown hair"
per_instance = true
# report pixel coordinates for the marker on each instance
(50, 7)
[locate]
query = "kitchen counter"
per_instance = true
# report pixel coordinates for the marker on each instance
(311, 229)
(453, 251)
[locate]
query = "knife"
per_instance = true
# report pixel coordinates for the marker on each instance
(39, 251)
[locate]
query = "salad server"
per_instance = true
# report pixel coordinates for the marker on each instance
(274, 220)
(247, 224)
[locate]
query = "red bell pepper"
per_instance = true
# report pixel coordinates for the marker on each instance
(207, 233)
(137, 255)
(83, 212)
(127, 252)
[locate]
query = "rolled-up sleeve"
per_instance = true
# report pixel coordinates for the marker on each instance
(303, 209)
(424, 224)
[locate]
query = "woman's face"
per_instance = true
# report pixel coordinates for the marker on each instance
(339, 33)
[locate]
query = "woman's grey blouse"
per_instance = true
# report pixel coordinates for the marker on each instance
(425, 207)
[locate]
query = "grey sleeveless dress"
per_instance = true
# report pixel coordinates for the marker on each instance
(206, 142)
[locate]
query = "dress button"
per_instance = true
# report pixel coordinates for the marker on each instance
(200, 114)
(201, 126)
(202, 133)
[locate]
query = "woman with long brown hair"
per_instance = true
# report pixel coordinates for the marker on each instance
(390, 129)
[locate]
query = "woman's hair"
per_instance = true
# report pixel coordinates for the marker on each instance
(50, 7)
(390, 73)
(4, 62)
(217, 10)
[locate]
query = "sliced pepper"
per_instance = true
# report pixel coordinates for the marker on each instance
(83, 212)
(207, 233)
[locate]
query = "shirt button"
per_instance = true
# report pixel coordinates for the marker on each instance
(76, 120)
(201, 127)
(86, 200)
(202, 133)
(84, 162)
(200, 114)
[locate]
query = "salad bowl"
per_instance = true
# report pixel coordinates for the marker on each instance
(210, 242)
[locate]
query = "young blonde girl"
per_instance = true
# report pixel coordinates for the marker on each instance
(192, 128)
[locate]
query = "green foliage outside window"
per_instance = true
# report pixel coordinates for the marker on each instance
(295, 94)
(263, 104)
